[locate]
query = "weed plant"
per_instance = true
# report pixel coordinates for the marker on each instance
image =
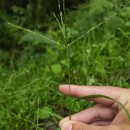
(91, 48)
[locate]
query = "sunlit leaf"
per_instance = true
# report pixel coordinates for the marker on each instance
(56, 68)
(44, 113)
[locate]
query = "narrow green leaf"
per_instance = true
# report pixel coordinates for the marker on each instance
(104, 96)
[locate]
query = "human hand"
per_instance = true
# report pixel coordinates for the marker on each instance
(107, 115)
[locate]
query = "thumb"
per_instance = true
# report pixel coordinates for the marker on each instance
(74, 125)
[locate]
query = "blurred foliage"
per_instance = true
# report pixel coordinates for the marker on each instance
(33, 14)
(32, 67)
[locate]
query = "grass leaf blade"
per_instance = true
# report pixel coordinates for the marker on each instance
(106, 97)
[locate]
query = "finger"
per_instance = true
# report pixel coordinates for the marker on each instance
(80, 91)
(91, 115)
(73, 125)
(101, 123)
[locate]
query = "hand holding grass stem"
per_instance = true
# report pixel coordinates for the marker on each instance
(111, 112)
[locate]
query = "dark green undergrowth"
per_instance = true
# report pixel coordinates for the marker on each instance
(32, 70)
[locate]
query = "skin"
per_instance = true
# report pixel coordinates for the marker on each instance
(106, 115)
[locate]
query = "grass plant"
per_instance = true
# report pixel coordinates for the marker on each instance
(29, 94)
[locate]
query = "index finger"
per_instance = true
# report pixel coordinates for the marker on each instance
(80, 91)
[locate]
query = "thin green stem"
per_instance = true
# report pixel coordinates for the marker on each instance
(60, 25)
(35, 33)
(125, 34)
(93, 28)
(37, 116)
(65, 30)
(67, 48)
(68, 77)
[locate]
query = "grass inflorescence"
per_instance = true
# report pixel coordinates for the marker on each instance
(94, 56)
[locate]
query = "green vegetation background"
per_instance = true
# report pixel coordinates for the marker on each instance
(32, 67)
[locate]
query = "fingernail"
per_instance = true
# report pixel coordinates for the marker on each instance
(61, 87)
(67, 127)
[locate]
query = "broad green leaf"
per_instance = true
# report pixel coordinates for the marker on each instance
(56, 68)
(64, 62)
(127, 24)
(44, 113)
